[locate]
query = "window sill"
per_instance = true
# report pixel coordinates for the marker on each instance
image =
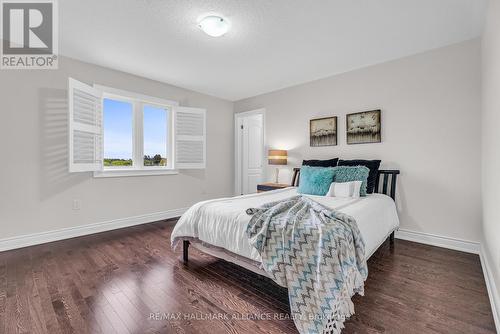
(134, 172)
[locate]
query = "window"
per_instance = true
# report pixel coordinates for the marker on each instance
(156, 120)
(119, 133)
(136, 132)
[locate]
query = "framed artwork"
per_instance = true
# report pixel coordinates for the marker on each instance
(363, 127)
(323, 131)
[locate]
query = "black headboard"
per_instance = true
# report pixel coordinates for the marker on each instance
(389, 181)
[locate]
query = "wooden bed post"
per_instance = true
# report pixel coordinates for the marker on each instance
(295, 177)
(392, 176)
(185, 246)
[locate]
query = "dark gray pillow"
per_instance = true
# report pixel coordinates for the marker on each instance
(373, 165)
(320, 163)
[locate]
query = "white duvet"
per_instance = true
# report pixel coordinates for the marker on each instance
(223, 222)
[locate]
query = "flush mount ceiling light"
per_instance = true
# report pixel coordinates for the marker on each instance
(213, 25)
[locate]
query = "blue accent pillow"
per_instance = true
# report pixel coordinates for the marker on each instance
(348, 174)
(315, 180)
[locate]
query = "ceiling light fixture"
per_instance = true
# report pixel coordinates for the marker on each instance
(214, 26)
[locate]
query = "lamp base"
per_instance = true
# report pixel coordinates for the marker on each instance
(277, 175)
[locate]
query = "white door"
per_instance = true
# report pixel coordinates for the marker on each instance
(250, 152)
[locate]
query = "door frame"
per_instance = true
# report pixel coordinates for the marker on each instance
(237, 146)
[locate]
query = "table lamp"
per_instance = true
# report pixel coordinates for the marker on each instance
(277, 157)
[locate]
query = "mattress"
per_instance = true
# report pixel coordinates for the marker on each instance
(222, 223)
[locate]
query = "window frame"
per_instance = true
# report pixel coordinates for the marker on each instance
(138, 102)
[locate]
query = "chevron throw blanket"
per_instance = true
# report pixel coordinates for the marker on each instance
(317, 253)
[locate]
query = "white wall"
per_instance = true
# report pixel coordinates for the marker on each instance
(491, 142)
(36, 190)
(430, 131)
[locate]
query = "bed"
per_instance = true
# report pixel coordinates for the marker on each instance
(217, 227)
(315, 246)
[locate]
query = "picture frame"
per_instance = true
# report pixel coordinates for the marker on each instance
(323, 131)
(364, 127)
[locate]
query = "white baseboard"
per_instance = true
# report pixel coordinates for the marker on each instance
(439, 241)
(491, 286)
(72, 232)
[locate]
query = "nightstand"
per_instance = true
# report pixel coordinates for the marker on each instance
(271, 186)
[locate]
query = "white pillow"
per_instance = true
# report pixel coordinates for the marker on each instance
(345, 189)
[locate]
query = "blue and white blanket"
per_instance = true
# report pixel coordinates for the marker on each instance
(317, 253)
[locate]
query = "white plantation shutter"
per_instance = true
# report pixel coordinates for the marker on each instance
(190, 138)
(85, 127)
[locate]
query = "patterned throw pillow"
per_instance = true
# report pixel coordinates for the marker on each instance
(315, 180)
(348, 174)
(373, 166)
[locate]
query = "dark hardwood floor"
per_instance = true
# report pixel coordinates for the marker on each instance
(130, 281)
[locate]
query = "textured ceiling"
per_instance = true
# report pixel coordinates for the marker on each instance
(272, 44)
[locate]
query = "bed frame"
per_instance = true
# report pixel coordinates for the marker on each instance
(387, 176)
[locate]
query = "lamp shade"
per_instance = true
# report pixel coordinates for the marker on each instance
(277, 157)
